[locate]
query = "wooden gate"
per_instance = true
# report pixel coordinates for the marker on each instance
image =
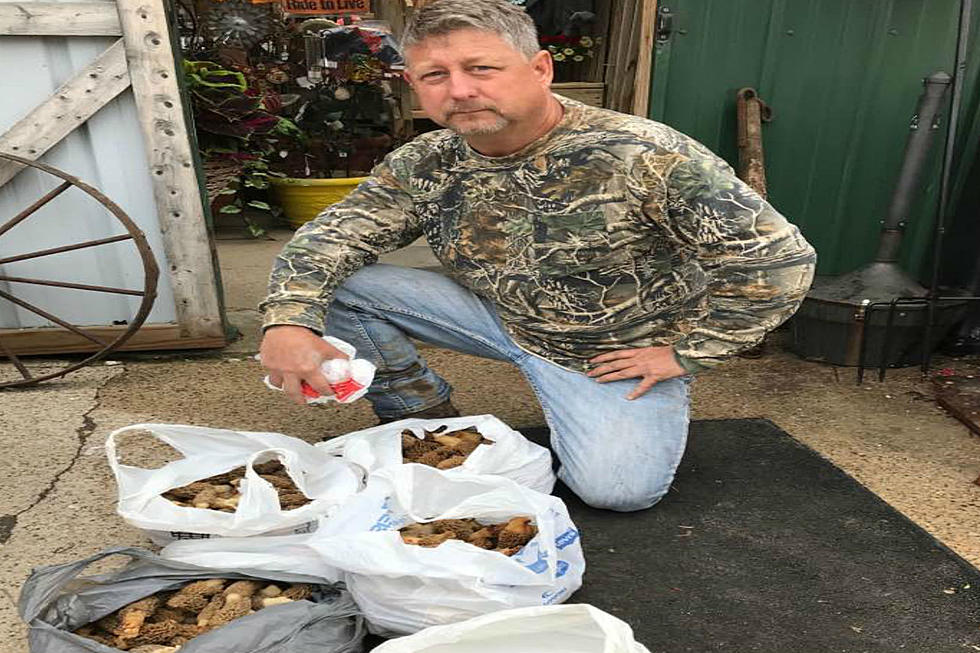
(141, 59)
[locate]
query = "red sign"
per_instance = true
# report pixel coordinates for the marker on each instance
(328, 7)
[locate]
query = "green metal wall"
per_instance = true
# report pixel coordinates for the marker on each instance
(961, 266)
(842, 78)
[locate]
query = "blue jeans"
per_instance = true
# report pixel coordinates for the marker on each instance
(615, 454)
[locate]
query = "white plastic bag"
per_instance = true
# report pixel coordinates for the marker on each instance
(276, 553)
(511, 455)
(403, 588)
(349, 379)
(325, 479)
(578, 628)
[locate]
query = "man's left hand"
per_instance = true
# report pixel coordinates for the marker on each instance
(650, 364)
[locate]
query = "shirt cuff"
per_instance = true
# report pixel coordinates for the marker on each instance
(690, 365)
(302, 314)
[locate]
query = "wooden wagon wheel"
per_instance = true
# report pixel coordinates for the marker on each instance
(105, 345)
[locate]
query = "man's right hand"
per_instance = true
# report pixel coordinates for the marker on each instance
(293, 354)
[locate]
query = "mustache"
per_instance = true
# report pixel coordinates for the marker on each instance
(465, 108)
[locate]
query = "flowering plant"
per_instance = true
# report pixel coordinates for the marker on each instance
(569, 48)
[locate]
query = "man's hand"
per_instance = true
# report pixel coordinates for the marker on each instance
(293, 354)
(651, 364)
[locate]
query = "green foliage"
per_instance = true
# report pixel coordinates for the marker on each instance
(233, 124)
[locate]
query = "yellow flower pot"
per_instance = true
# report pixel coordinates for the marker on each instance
(303, 199)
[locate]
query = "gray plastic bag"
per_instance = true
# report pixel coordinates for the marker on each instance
(55, 601)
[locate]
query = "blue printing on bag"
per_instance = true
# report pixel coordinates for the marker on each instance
(553, 596)
(389, 520)
(567, 538)
(386, 522)
(561, 568)
(540, 565)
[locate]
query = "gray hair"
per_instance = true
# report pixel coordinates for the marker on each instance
(440, 17)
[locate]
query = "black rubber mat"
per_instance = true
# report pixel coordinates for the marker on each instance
(762, 545)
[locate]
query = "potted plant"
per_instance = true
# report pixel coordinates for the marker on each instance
(299, 107)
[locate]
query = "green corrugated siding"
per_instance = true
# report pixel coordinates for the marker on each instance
(962, 249)
(842, 78)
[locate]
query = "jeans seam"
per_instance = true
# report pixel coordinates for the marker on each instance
(681, 449)
(445, 325)
(549, 418)
(377, 351)
(548, 415)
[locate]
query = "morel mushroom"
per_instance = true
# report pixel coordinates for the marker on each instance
(508, 538)
(221, 491)
(168, 620)
(196, 595)
(131, 617)
(441, 450)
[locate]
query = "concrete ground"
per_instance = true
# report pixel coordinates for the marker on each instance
(59, 495)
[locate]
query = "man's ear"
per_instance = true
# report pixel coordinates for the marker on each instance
(543, 67)
(408, 78)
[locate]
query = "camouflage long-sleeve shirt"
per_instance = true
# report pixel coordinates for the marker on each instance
(610, 232)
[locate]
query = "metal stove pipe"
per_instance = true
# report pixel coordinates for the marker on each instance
(925, 123)
(835, 322)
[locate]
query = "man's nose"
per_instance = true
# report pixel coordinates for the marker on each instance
(461, 87)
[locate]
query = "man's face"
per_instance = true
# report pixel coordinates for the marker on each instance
(477, 84)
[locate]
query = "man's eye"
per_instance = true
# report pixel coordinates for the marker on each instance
(433, 75)
(482, 69)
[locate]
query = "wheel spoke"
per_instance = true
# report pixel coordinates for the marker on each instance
(79, 286)
(23, 215)
(13, 359)
(48, 316)
(66, 248)
(105, 340)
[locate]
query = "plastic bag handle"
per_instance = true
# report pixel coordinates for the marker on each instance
(45, 583)
(252, 476)
(110, 447)
(153, 429)
(110, 441)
